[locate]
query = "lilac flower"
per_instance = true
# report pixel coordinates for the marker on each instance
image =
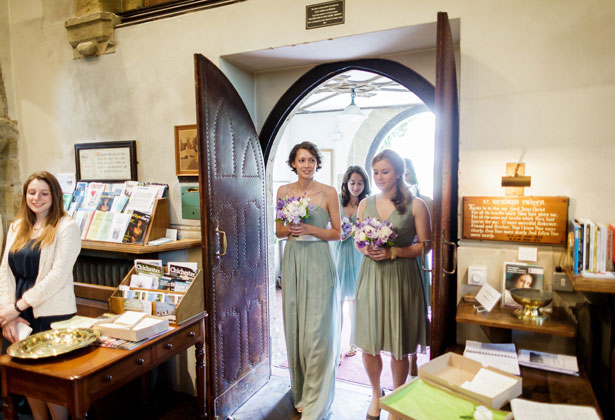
(346, 226)
(293, 210)
(374, 232)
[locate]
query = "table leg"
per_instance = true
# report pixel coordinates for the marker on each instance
(8, 406)
(199, 350)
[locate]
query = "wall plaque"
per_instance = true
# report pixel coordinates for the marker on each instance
(112, 161)
(516, 219)
(324, 14)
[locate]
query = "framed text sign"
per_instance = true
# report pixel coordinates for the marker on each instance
(516, 219)
(112, 161)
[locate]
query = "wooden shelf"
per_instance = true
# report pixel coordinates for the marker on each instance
(558, 322)
(156, 229)
(138, 248)
(586, 284)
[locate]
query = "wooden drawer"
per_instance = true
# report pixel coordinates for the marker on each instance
(118, 374)
(178, 342)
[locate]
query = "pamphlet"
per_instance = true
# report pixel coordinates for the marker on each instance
(531, 410)
(184, 270)
(502, 356)
(549, 361)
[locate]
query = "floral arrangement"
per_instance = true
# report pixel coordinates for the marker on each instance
(293, 210)
(372, 231)
(346, 226)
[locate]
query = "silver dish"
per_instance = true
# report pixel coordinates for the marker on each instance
(53, 343)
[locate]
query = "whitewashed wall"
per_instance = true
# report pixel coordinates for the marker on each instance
(537, 83)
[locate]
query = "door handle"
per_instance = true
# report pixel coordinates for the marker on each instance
(454, 245)
(423, 257)
(221, 243)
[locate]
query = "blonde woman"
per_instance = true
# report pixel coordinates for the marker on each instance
(36, 273)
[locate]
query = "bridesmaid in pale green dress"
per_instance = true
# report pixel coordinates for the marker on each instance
(355, 187)
(391, 313)
(310, 293)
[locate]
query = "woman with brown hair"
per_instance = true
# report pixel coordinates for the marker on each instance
(36, 273)
(391, 313)
(310, 292)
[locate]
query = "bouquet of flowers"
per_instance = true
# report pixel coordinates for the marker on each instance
(372, 231)
(346, 226)
(293, 210)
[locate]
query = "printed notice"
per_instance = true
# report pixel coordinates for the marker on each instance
(516, 219)
(103, 164)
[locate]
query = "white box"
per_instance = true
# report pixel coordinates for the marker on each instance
(451, 370)
(155, 326)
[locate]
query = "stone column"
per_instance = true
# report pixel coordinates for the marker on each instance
(10, 185)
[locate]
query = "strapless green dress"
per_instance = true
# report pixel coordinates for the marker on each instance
(311, 306)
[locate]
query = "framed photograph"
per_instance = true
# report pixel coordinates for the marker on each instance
(520, 275)
(325, 174)
(111, 161)
(186, 150)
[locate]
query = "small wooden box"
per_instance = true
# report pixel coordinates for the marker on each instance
(192, 303)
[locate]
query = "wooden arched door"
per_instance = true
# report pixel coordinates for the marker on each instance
(446, 164)
(234, 232)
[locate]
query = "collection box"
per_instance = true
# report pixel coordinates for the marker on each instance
(451, 370)
(192, 303)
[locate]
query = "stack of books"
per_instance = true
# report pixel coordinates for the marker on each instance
(590, 248)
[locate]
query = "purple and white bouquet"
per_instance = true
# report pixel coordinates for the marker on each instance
(346, 226)
(372, 231)
(293, 210)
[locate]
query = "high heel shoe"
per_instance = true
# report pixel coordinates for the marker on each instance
(370, 416)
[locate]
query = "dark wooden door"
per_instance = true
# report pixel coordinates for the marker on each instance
(233, 228)
(446, 163)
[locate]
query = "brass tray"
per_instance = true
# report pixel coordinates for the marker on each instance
(52, 343)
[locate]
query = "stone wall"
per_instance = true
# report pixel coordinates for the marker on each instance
(10, 184)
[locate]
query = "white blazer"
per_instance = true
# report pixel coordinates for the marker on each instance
(53, 293)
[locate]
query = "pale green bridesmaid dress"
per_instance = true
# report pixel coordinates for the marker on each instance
(390, 310)
(311, 320)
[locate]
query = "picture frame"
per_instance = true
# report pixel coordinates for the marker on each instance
(110, 161)
(520, 275)
(325, 173)
(186, 150)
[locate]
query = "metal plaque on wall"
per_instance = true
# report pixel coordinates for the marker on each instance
(324, 14)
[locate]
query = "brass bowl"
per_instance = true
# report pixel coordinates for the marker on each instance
(53, 343)
(532, 301)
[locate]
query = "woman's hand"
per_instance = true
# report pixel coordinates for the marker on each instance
(378, 253)
(7, 314)
(299, 229)
(9, 331)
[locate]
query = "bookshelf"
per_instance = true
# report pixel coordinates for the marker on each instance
(586, 284)
(156, 229)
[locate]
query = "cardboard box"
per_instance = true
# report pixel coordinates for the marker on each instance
(405, 402)
(451, 370)
(155, 326)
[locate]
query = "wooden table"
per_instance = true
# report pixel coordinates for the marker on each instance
(79, 378)
(498, 323)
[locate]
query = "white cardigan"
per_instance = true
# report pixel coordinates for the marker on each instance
(53, 292)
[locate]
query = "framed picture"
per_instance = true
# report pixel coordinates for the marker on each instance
(111, 161)
(325, 173)
(520, 275)
(186, 150)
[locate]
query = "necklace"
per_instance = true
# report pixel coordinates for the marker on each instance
(307, 187)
